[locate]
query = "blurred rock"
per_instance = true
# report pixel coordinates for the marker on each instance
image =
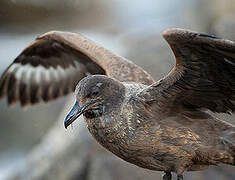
(60, 154)
(26, 17)
(51, 4)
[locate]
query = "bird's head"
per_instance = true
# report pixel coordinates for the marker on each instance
(95, 96)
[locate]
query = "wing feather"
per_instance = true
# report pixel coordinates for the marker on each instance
(204, 74)
(55, 62)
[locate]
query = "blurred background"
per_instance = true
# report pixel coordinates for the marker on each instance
(129, 28)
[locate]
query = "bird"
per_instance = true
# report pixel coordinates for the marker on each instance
(164, 125)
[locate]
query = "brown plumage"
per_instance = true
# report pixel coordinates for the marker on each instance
(159, 125)
(56, 62)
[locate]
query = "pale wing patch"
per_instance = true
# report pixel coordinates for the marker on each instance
(36, 82)
(25, 72)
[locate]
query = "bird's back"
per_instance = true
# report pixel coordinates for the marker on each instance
(170, 138)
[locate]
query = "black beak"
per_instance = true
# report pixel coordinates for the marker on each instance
(75, 112)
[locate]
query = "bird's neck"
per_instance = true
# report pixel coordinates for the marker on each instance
(106, 127)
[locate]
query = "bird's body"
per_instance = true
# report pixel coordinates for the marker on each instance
(146, 136)
(163, 125)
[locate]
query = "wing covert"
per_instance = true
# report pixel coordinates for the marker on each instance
(204, 74)
(55, 62)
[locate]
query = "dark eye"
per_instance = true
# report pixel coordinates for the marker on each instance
(94, 93)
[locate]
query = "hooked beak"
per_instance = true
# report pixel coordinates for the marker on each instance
(75, 112)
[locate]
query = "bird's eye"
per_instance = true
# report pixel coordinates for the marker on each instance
(94, 93)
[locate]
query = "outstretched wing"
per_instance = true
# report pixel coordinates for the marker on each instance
(203, 77)
(55, 62)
